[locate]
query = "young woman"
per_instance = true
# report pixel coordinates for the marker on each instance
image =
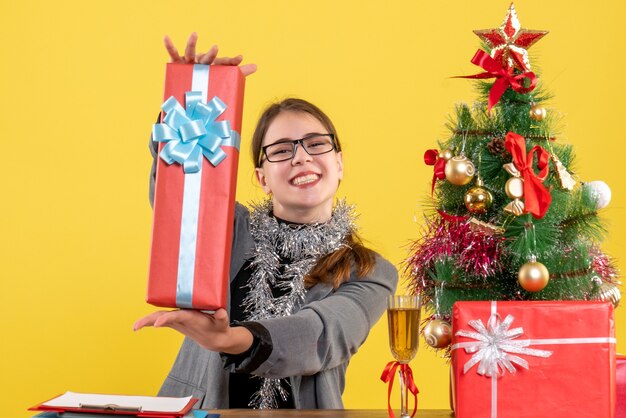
(304, 290)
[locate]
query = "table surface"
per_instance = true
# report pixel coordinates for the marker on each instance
(320, 413)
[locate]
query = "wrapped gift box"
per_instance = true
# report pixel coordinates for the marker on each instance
(533, 359)
(620, 385)
(195, 186)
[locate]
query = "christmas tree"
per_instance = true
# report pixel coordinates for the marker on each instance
(510, 220)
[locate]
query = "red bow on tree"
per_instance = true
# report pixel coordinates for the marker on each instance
(505, 77)
(407, 375)
(431, 157)
(536, 197)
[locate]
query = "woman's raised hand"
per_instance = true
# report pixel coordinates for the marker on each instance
(210, 331)
(208, 58)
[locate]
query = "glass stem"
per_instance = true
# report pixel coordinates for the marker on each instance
(403, 396)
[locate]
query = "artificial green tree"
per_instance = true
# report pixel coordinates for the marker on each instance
(508, 219)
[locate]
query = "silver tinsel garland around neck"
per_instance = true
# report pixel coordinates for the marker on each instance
(284, 254)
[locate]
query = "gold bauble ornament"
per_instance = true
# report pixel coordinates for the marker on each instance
(537, 112)
(459, 170)
(446, 154)
(478, 199)
(438, 333)
(533, 276)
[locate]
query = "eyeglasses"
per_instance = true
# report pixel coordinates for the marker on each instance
(313, 144)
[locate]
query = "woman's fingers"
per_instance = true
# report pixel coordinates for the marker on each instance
(203, 328)
(248, 69)
(221, 315)
(170, 319)
(211, 331)
(228, 60)
(209, 57)
(148, 320)
(180, 320)
(190, 49)
(171, 49)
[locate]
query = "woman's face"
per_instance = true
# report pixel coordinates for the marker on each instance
(303, 189)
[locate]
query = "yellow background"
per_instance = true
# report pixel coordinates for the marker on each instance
(81, 85)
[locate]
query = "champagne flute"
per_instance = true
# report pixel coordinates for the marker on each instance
(403, 316)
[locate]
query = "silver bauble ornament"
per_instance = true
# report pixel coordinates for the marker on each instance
(600, 191)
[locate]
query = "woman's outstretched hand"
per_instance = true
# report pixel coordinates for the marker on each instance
(210, 331)
(208, 58)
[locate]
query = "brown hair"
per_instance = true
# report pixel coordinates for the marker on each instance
(336, 267)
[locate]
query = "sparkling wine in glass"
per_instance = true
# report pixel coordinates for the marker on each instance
(403, 316)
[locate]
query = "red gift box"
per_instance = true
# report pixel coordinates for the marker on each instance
(193, 211)
(620, 386)
(537, 359)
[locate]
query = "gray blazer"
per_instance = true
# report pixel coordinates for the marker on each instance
(312, 347)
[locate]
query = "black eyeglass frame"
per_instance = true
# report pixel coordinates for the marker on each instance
(295, 143)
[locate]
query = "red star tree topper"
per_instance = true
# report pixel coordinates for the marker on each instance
(510, 41)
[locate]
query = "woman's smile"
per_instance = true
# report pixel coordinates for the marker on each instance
(305, 179)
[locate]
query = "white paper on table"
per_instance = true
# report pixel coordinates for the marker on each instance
(147, 403)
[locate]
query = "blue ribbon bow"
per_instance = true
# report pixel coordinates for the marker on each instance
(192, 132)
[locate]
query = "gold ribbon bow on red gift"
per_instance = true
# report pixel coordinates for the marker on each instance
(505, 77)
(407, 376)
(536, 197)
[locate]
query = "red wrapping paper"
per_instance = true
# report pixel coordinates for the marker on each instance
(620, 386)
(217, 202)
(577, 380)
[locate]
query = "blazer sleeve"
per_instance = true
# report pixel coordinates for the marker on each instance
(154, 151)
(327, 332)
